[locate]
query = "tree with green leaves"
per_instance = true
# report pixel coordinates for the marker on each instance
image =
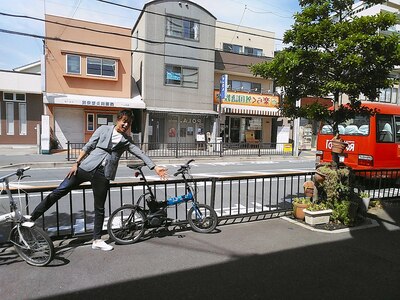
(332, 52)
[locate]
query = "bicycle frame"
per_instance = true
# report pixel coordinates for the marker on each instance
(128, 223)
(189, 196)
(14, 214)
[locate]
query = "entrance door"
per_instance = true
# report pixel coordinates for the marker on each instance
(234, 130)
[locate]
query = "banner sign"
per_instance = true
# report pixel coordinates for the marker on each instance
(250, 99)
(223, 86)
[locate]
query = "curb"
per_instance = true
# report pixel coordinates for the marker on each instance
(373, 223)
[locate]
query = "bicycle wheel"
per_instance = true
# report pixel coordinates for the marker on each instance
(33, 245)
(202, 218)
(126, 225)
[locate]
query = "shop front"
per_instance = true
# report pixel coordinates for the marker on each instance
(248, 118)
(74, 118)
(166, 128)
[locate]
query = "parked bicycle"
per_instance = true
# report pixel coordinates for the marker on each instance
(128, 223)
(30, 242)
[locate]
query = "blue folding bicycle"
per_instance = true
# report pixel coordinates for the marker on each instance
(128, 223)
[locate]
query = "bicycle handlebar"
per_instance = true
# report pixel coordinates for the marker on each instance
(19, 173)
(184, 167)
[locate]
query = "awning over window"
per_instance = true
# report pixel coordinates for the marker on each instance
(250, 110)
(94, 101)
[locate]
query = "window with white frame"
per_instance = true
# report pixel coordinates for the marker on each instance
(73, 64)
(22, 119)
(182, 28)
(10, 118)
(181, 76)
(14, 97)
(11, 99)
(101, 67)
(253, 51)
(246, 86)
(232, 48)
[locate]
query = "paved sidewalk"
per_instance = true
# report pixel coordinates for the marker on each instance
(272, 259)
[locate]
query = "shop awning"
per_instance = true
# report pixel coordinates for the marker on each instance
(250, 110)
(94, 101)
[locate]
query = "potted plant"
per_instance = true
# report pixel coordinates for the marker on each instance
(365, 198)
(317, 213)
(299, 204)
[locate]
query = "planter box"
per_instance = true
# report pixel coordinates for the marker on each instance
(317, 217)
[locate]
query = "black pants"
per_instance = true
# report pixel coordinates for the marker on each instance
(100, 185)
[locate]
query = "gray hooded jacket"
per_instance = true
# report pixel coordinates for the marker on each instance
(99, 148)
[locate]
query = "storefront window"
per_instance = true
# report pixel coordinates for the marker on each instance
(103, 119)
(90, 122)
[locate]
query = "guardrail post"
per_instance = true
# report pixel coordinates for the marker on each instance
(213, 188)
(68, 150)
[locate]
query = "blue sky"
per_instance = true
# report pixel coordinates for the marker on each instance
(15, 51)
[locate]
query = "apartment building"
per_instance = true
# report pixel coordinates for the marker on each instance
(21, 105)
(249, 111)
(390, 95)
(173, 64)
(87, 78)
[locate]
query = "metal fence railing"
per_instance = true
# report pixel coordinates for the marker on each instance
(199, 149)
(379, 183)
(235, 199)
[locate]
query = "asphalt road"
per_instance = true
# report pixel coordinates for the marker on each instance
(53, 176)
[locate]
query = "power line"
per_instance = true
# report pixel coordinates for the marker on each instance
(108, 32)
(200, 23)
(116, 48)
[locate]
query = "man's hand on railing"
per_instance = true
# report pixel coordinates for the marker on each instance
(162, 172)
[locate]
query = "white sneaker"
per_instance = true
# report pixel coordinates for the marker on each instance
(101, 245)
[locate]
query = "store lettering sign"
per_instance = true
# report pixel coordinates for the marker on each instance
(248, 99)
(191, 121)
(97, 103)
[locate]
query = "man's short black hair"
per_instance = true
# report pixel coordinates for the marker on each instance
(125, 113)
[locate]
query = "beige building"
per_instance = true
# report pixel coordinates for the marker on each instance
(87, 77)
(249, 111)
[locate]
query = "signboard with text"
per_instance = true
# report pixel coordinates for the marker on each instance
(223, 86)
(251, 99)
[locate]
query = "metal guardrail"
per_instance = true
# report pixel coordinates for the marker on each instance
(203, 149)
(235, 199)
(379, 183)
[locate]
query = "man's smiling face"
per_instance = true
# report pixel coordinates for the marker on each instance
(123, 125)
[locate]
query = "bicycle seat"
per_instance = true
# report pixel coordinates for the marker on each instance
(136, 166)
